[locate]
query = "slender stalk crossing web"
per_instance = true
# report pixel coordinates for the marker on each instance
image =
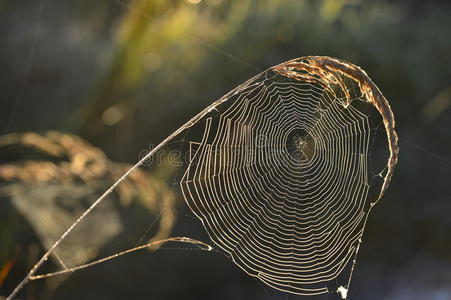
(280, 172)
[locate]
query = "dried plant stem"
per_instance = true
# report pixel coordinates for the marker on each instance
(103, 196)
(325, 71)
(202, 245)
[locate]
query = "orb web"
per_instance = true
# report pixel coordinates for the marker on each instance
(280, 176)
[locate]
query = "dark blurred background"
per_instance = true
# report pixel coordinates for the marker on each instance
(124, 74)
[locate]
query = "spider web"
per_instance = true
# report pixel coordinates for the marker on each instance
(281, 180)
